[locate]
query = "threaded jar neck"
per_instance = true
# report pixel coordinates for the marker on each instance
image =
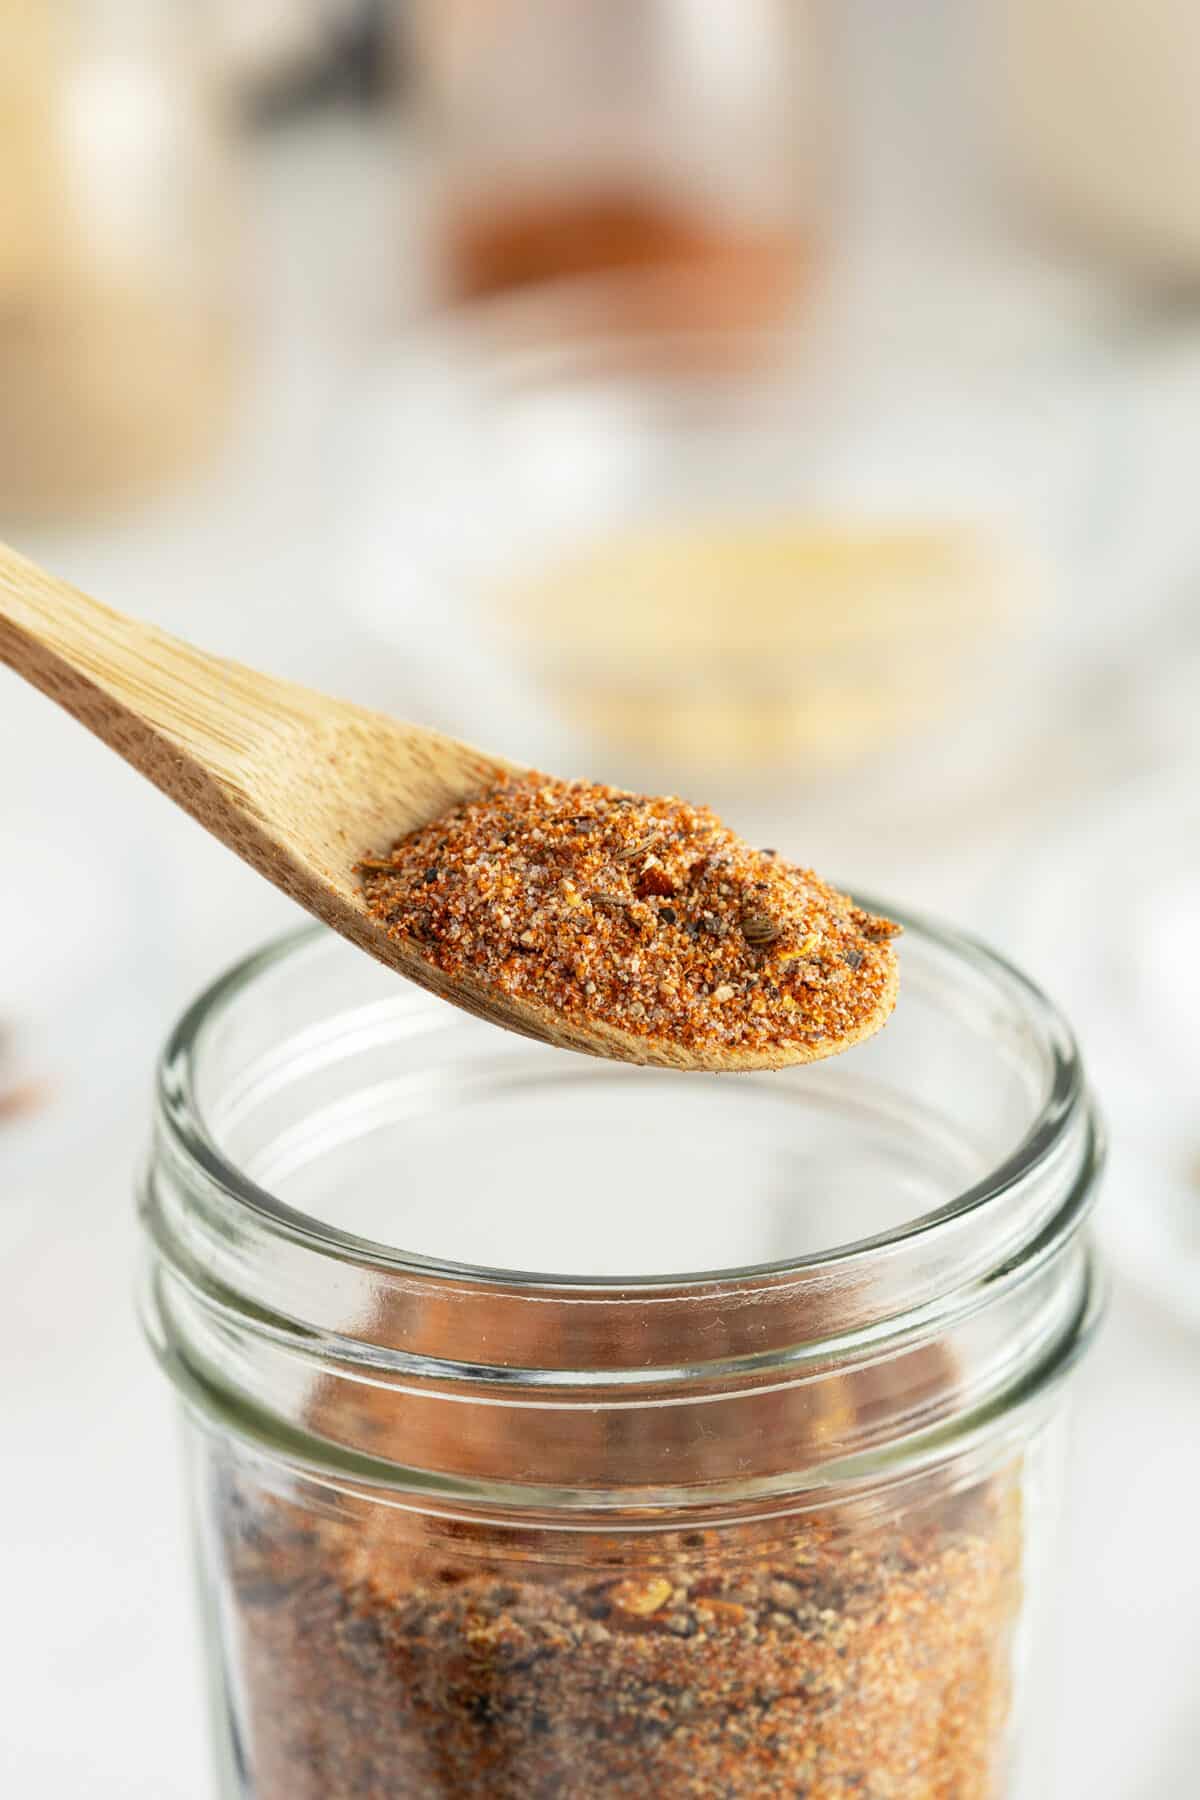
(322, 1130)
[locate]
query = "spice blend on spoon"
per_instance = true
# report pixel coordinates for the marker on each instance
(647, 913)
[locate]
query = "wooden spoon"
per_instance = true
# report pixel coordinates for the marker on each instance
(299, 785)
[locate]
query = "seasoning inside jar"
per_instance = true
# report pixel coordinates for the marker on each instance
(646, 912)
(812, 1659)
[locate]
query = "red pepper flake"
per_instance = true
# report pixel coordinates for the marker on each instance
(653, 883)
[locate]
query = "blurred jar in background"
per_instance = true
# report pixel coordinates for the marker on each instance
(117, 253)
(679, 145)
(1098, 114)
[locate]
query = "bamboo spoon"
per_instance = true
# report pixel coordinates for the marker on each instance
(299, 785)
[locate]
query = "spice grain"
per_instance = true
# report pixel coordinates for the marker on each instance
(645, 912)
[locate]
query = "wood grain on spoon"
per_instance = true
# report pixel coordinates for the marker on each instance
(298, 784)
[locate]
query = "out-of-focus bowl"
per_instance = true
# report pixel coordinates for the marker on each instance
(703, 557)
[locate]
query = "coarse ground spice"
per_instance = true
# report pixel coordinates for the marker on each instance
(388, 1657)
(646, 913)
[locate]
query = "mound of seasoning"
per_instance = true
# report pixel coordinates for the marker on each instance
(647, 913)
(386, 1655)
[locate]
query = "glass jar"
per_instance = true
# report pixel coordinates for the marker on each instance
(751, 1497)
(118, 254)
(1094, 112)
(680, 150)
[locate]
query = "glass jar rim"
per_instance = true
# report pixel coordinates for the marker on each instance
(187, 1131)
(252, 1305)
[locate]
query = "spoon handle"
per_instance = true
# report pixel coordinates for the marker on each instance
(163, 706)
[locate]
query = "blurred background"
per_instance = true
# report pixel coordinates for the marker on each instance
(790, 403)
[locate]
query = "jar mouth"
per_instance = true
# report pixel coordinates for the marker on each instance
(856, 1352)
(193, 1142)
(186, 1122)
